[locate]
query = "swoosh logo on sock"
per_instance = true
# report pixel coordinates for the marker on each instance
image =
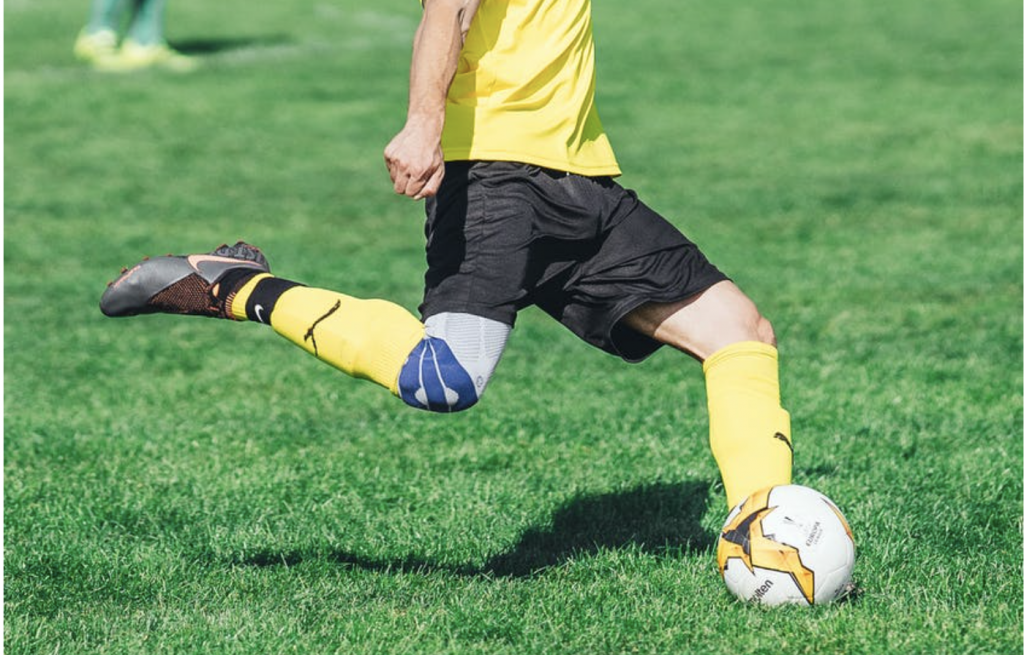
(258, 310)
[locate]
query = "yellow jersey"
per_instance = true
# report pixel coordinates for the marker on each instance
(524, 89)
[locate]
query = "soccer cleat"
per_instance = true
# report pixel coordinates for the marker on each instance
(96, 47)
(198, 285)
(134, 56)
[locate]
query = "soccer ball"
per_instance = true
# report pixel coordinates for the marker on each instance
(786, 544)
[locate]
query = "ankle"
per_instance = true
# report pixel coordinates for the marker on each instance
(229, 286)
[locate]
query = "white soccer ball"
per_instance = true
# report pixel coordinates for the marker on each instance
(786, 544)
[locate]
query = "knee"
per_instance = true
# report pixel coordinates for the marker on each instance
(764, 331)
(450, 368)
(432, 379)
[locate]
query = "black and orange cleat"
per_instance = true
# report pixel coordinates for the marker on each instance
(197, 285)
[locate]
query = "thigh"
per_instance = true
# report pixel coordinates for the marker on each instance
(497, 232)
(703, 323)
(641, 259)
(477, 243)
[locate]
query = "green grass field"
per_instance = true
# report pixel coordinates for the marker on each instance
(188, 486)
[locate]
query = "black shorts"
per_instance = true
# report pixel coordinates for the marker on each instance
(502, 236)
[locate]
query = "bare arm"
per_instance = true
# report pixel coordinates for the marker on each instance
(413, 157)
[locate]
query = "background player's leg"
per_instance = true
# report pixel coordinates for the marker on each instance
(105, 15)
(98, 39)
(144, 44)
(147, 26)
(749, 429)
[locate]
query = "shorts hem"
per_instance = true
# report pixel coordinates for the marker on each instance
(500, 315)
(640, 346)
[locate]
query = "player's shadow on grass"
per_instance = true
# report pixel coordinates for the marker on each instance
(661, 519)
(224, 45)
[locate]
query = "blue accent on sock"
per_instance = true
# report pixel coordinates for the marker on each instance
(434, 380)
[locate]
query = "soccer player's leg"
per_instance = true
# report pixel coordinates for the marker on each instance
(366, 338)
(442, 366)
(749, 430)
(674, 296)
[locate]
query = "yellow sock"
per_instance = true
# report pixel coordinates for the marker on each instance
(750, 435)
(368, 339)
